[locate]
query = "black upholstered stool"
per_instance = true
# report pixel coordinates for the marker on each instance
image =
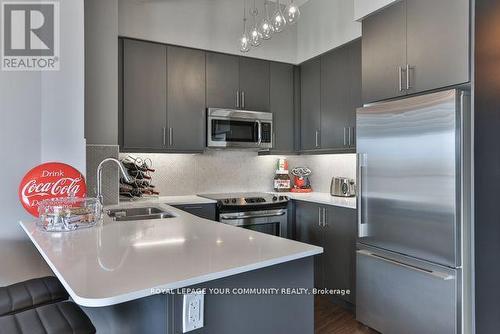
(40, 306)
(30, 294)
(59, 318)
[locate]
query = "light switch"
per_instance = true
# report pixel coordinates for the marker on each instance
(192, 312)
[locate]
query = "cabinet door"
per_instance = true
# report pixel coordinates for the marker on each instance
(356, 88)
(186, 99)
(309, 231)
(254, 84)
(207, 211)
(335, 98)
(144, 94)
(340, 250)
(282, 106)
(310, 104)
(438, 43)
(384, 52)
(222, 80)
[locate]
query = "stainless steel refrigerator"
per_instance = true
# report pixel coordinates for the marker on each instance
(414, 214)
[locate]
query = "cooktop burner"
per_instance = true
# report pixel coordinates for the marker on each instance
(244, 199)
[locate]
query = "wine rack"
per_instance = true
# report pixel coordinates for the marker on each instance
(140, 173)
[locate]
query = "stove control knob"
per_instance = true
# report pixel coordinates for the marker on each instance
(282, 198)
(226, 201)
(233, 200)
(275, 198)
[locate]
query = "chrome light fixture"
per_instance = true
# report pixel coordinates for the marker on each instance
(292, 12)
(279, 20)
(255, 35)
(266, 28)
(244, 39)
(268, 25)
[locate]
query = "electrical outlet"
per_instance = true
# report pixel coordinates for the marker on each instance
(192, 312)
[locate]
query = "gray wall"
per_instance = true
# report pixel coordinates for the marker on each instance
(101, 72)
(40, 121)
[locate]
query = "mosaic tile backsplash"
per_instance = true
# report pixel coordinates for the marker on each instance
(238, 171)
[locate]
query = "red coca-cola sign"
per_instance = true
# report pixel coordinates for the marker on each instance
(50, 180)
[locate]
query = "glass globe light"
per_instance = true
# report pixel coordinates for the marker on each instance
(279, 20)
(244, 42)
(266, 28)
(292, 13)
(255, 36)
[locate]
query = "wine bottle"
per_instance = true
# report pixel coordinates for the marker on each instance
(139, 174)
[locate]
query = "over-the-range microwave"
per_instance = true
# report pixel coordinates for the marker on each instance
(228, 128)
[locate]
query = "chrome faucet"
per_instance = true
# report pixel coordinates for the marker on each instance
(99, 177)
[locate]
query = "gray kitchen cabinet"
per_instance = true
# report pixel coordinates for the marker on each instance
(310, 104)
(340, 250)
(222, 80)
(282, 106)
(415, 46)
(144, 87)
(254, 84)
(308, 230)
(384, 53)
(355, 91)
(437, 43)
(207, 211)
(334, 229)
(185, 99)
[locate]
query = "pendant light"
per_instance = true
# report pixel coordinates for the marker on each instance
(255, 35)
(292, 12)
(244, 40)
(266, 27)
(279, 20)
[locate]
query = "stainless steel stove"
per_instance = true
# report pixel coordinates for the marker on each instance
(262, 212)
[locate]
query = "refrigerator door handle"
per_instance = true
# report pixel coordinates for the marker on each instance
(436, 274)
(362, 224)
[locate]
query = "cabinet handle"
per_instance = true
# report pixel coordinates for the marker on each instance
(164, 136)
(345, 141)
(237, 98)
(170, 136)
(319, 217)
(408, 79)
(400, 73)
(350, 136)
(317, 139)
(325, 219)
(243, 99)
(274, 140)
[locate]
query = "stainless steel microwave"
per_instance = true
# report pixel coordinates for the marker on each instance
(228, 128)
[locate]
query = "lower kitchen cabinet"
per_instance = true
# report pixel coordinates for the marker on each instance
(207, 211)
(334, 229)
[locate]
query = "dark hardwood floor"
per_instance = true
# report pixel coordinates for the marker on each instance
(333, 319)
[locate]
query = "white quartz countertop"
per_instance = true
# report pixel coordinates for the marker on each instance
(116, 262)
(323, 198)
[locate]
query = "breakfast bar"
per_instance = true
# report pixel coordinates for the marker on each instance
(126, 273)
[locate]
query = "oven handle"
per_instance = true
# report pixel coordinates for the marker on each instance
(249, 216)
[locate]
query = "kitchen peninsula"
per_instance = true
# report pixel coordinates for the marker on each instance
(116, 270)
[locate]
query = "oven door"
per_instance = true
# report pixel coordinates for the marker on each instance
(239, 129)
(272, 222)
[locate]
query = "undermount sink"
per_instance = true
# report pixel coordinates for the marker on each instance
(144, 213)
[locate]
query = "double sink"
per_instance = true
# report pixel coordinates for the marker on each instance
(140, 213)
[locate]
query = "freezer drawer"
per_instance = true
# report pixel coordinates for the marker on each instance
(412, 298)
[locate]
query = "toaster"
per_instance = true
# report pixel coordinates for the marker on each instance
(343, 187)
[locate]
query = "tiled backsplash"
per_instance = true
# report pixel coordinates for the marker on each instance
(234, 171)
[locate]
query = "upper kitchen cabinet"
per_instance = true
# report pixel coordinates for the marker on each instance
(144, 104)
(438, 43)
(384, 53)
(186, 99)
(237, 82)
(222, 81)
(340, 96)
(254, 84)
(414, 46)
(282, 106)
(162, 91)
(310, 104)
